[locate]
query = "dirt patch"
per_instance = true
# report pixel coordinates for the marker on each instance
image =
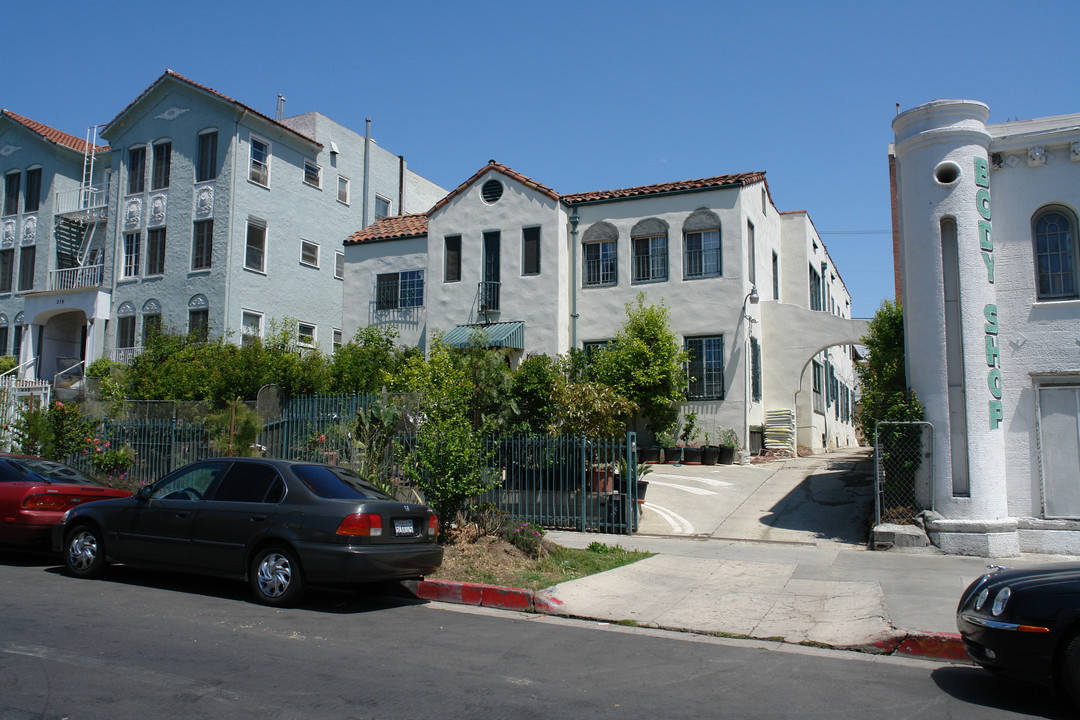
(489, 560)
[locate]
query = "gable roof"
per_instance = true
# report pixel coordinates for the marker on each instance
(740, 179)
(170, 74)
(493, 166)
(391, 228)
(53, 135)
(407, 226)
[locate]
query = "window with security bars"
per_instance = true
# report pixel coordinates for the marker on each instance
(27, 258)
(32, 201)
(1055, 256)
(819, 382)
(162, 166)
(136, 170)
(206, 160)
(600, 258)
(755, 369)
(202, 244)
(815, 289)
(11, 193)
(399, 290)
(702, 251)
(132, 242)
(155, 251)
(705, 369)
(7, 267)
(650, 258)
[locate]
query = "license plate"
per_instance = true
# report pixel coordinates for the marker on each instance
(404, 527)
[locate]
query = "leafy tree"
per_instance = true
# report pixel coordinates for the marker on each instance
(533, 405)
(885, 395)
(644, 363)
(366, 363)
(448, 465)
(53, 432)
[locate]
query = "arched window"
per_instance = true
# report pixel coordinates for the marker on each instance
(199, 317)
(151, 322)
(1056, 259)
(701, 244)
(648, 242)
(599, 245)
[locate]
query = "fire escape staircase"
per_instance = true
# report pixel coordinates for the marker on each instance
(81, 216)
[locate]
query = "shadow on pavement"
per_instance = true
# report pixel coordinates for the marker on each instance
(362, 599)
(21, 557)
(834, 503)
(979, 687)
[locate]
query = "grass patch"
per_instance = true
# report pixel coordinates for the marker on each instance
(494, 561)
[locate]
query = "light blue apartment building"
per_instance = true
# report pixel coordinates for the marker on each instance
(201, 215)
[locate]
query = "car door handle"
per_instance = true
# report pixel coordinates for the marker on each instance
(183, 514)
(258, 518)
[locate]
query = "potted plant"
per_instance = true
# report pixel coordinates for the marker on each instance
(666, 440)
(691, 454)
(709, 452)
(649, 454)
(729, 443)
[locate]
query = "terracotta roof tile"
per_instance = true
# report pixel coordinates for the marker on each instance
(497, 167)
(53, 135)
(173, 74)
(682, 185)
(391, 228)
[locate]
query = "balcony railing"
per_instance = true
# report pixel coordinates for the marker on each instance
(489, 296)
(88, 276)
(126, 355)
(92, 200)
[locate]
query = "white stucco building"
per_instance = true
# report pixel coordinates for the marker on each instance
(987, 218)
(545, 272)
(201, 214)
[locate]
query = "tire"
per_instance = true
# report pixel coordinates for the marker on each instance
(1068, 675)
(84, 552)
(276, 577)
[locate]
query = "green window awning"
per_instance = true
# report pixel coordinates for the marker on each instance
(506, 334)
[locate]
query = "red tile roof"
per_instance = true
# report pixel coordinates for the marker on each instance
(177, 76)
(406, 226)
(53, 135)
(497, 167)
(391, 228)
(742, 179)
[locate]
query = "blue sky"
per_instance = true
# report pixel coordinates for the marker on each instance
(583, 95)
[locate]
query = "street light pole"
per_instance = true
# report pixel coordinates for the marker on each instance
(752, 298)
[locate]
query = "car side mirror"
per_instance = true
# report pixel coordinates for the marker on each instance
(145, 492)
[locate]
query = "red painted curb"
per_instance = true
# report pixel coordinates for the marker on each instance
(466, 593)
(942, 646)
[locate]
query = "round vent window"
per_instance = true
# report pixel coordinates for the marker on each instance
(492, 191)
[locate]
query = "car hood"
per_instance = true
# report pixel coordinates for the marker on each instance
(1053, 577)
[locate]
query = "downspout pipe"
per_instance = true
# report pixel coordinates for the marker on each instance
(232, 225)
(367, 169)
(401, 185)
(574, 220)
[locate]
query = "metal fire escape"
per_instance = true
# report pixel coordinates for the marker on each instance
(81, 215)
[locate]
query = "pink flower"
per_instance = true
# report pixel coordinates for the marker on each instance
(106, 443)
(322, 438)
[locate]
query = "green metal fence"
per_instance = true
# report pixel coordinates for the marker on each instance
(572, 483)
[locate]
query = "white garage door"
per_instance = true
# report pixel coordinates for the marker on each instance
(1059, 450)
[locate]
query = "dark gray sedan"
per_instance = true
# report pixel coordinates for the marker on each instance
(278, 524)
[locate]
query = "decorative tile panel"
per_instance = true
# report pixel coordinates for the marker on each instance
(1036, 156)
(9, 150)
(204, 201)
(7, 234)
(133, 214)
(29, 230)
(1074, 152)
(171, 114)
(158, 206)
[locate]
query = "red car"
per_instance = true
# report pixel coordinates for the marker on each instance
(35, 493)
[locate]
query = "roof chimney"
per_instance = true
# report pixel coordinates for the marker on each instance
(279, 115)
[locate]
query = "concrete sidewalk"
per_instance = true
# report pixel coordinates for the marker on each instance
(780, 556)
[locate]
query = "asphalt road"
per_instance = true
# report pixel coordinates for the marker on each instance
(150, 645)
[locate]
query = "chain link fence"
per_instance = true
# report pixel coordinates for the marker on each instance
(904, 468)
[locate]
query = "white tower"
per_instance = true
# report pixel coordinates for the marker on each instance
(950, 319)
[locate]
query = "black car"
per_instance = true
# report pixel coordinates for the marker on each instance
(279, 524)
(1025, 623)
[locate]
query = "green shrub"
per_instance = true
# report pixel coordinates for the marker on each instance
(525, 536)
(52, 432)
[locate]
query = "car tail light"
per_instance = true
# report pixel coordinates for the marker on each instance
(433, 525)
(49, 502)
(361, 525)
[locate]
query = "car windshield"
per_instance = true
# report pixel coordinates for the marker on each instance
(337, 483)
(51, 471)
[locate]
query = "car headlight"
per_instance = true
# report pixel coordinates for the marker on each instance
(981, 600)
(999, 601)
